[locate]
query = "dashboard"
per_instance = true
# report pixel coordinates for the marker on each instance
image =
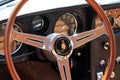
(88, 60)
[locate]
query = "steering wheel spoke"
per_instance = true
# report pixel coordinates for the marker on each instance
(30, 39)
(64, 68)
(84, 37)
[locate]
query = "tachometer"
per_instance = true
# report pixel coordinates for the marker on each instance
(66, 24)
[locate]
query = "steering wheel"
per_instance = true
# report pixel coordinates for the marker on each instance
(60, 45)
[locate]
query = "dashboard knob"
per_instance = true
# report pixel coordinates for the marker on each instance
(106, 46)
(118, 60)
(113, 74)
(99, 75)
(103, 64)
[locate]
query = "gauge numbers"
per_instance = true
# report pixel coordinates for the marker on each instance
(66, 24)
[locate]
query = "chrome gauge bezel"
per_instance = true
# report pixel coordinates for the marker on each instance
(19, 28)
(40, 23)
(65, 21)
(37, 23)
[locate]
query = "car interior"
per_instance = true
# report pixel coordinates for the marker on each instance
(73, 42)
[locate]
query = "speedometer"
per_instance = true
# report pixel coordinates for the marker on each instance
(66, 24)
(15, 45)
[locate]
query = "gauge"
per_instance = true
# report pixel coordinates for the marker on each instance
(66, 24)
(118, 20)
(15, 45)
(37, 23)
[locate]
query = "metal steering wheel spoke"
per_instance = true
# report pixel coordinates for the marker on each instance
(84, 37)
(64, 68)
(30, 39)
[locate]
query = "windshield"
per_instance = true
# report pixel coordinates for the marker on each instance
(4, 1)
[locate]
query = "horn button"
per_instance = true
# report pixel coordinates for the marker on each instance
(63, 46)
(60, 45)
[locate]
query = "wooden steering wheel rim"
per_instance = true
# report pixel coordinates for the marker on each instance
(7, 43)
(112, 56)
(94, 5)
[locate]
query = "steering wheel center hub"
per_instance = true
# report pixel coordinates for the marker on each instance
(62, 46)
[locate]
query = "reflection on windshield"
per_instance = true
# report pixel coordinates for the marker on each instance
(4, 1)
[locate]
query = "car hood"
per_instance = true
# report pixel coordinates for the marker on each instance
(41, 5)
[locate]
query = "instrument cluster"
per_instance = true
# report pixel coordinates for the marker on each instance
(63, 22)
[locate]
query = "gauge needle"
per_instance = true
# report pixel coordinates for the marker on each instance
(61, 27)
